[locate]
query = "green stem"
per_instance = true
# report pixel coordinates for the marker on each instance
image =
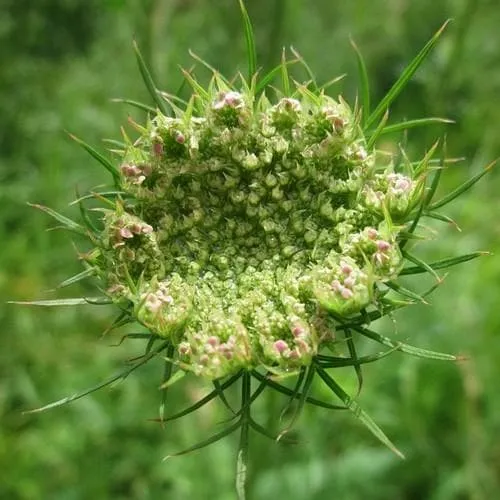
(241, 465)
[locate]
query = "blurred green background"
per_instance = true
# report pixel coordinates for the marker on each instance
(61, 61)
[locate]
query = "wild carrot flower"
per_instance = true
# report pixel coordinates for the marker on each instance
(250, 228)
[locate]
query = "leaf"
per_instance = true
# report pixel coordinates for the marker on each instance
(221, 395)
(80, 301)
(421, 122)
(101, 195)
(304, 64)
(89, 224)
(148, 80)
(405, 292)
(67, 223)
(354, 356)
(285, 79)
(337, 362)
(296, 389)
(271, 75)
(421, 264)
(358, 412)
(203, 401)
(289, 392)
(136, 104)
(442, 218)
(99, 157)
(364, 82)
(250, 41)
(169, 380)
(77, 277)
(209, 67)
(404, 78)
(376, 133)
(331, 82)
(119, 376)
(311, 371)
(264, 432)
(406, 348)
(461, 189)
(206, 442)
(443, 264)
(195, 85)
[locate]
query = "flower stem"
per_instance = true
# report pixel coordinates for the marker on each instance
(241, 465)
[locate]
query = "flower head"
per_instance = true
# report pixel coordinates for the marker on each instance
(248, 231)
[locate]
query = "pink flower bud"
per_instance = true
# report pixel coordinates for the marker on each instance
(290, 104)
(346, 268)
(383, 246)
(213, 341)
(157, 148)
(129, 170)
(280, 346)
(146, 229)
(336, 285)
(298, 331)
(402, 184)
(349, 282)
(184, 348)
(346, 293)
(125, 232)
(371, 232)
(180, 138)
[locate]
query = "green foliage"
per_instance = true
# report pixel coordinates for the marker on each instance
(442, 416)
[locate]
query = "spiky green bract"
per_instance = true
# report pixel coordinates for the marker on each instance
(249, 228)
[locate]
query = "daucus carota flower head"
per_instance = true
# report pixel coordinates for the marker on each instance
(250, 228)
(259, 220)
